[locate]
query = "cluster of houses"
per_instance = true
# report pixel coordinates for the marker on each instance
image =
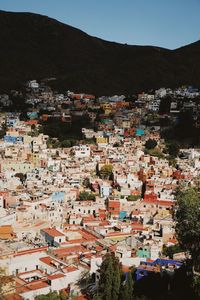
(63, 209)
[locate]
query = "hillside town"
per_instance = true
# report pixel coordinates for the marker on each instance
(82, 176)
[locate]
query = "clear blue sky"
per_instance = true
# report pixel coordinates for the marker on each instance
(165, 23)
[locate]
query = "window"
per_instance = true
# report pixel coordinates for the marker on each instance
(36, 267)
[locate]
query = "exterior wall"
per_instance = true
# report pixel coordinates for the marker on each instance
(1, 202)
(82, 151)
(53, 240)
(144, 253)
(8, 219)
(58, 196)
(61, 283)
(59, 239)
(22, 263)
(86, 209)
(17, 167)
(32, 294)
(105, 190)
(95, 264)
(132, 261)
(47, 268)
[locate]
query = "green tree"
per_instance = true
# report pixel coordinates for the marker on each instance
(86, 196)
(63, 295)
(33, 127)
(173, 149)
(188, 223)
(116, 144)
(3, 130)
(171, 250)
(196, 286)
(165, 105)
(97, 297)
(116, 279)
(133, 197)
(66, 144)
(128, 288)
(150, 144)
(110, 278)
(106, 279)
(106, 171)
(50, 296)
(86, 182)
(21, 176)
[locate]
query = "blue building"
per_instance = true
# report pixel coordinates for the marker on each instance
(122, 215)
(11, 122)
(32, 115)
(158, 265)
(139, 132)
(13, 139)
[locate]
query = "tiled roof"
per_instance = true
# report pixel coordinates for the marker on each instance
(52, 232)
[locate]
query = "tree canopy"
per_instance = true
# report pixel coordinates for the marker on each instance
(50, 296)
(114, 284)
(106, 171)
(150, 144)
(110, 278)
(86, 196)
(188, 223)
(173, 149)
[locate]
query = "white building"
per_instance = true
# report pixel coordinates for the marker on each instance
(81, 151)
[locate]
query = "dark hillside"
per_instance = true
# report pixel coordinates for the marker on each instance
(35, 46)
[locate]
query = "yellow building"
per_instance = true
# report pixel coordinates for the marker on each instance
(102, 140)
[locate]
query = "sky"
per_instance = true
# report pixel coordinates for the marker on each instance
(164, 23)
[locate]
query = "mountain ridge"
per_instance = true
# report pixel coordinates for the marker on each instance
(36, 46)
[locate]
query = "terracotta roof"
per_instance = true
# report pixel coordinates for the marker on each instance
(37, 285)
(125, 269)
(31, 251)
(48, 260)
(70, 269)
(56, 276)
(159, 202)
(52, 232)
(13, 296)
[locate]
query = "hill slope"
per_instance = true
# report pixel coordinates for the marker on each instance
(35, 46)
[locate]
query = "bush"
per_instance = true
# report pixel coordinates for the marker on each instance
(106, 172)
(170, 251)
(86, 196)
(155, 152)
(133, 197)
